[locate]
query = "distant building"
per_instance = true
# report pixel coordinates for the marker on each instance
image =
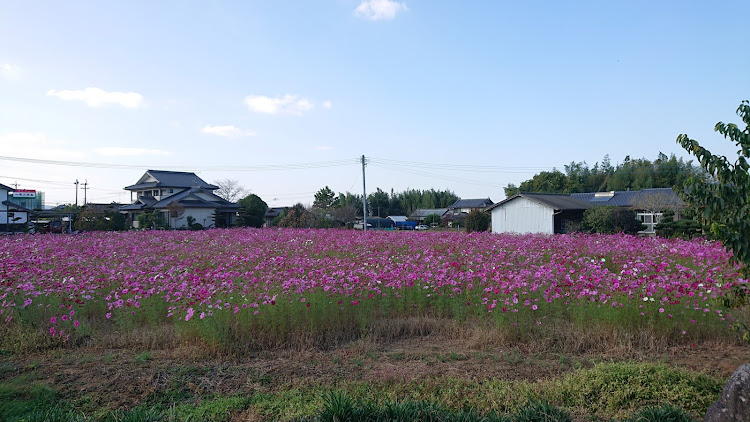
(554, 213)
(27, 198)
(13, 217)
(421, 213)
(469, 205)
(272, 213)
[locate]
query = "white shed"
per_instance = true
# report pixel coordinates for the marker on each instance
(536, 213)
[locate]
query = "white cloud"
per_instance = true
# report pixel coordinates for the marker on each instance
(327, 105)
(37, 145)
(227, 131)
(379, 9)
(288, 104)
(95, 97)
(11, 69)
(122, 151)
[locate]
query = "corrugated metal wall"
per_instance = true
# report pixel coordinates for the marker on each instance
(523, 216)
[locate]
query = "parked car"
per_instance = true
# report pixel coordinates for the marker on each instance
(421, 227)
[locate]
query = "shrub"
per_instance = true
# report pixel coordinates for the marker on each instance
(608, 220)
(478, 221)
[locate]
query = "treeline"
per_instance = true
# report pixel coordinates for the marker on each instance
(631, 174)
(381, 203)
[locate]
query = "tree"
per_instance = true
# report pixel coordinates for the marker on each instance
(252, 211)
(94, 218)
(151, 219)
(685, 228)
(378, 203)
(432, 218)
(610, 220)
(229, 189)
(345, 215)
(175, 211)
(723, 198)
(324, 199)
(478, 221)
(511, 190)
(297, 216)
(632, 174)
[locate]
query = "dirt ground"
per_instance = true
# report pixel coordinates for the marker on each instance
(115, 379)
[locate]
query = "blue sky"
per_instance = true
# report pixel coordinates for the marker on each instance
(307, 87)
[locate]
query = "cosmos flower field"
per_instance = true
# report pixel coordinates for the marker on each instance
(244, 284)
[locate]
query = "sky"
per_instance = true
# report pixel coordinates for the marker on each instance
(285, 97)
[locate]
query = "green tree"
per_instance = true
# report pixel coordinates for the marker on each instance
(432, 219)
(478, 221)
(723, 199)
(378, 203)
(631, 174)
(684, 228)
(611, 220)
(297, 216)
(152, 219)
(97, 219)
(511, 190)
(324, 199)
(252, 211)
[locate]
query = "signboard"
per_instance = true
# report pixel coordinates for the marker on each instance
(24, 193)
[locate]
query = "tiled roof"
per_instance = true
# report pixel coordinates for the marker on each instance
(630, 198)
(472, 203)
(188, 198)
(424, 212)
(172, 179)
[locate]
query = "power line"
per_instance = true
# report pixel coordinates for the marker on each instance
(269, 167)
(437, 176)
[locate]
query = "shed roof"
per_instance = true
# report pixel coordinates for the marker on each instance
(558, 201)
(8, 188)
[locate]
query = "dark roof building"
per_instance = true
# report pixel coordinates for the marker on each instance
(556, 213)
(421, 213)
(185, 194)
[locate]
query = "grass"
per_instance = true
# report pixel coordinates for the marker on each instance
(608, 391)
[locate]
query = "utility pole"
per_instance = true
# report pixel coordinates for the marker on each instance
(76, 183)
(85, 188)
(364, 197)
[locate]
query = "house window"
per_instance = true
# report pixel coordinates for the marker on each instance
(170, 190)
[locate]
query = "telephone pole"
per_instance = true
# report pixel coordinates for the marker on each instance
(85, 188)
(76, 183)
(364, 197)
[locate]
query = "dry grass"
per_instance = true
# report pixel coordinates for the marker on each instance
(236, 340)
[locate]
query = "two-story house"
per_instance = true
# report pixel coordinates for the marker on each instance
(173, 196)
